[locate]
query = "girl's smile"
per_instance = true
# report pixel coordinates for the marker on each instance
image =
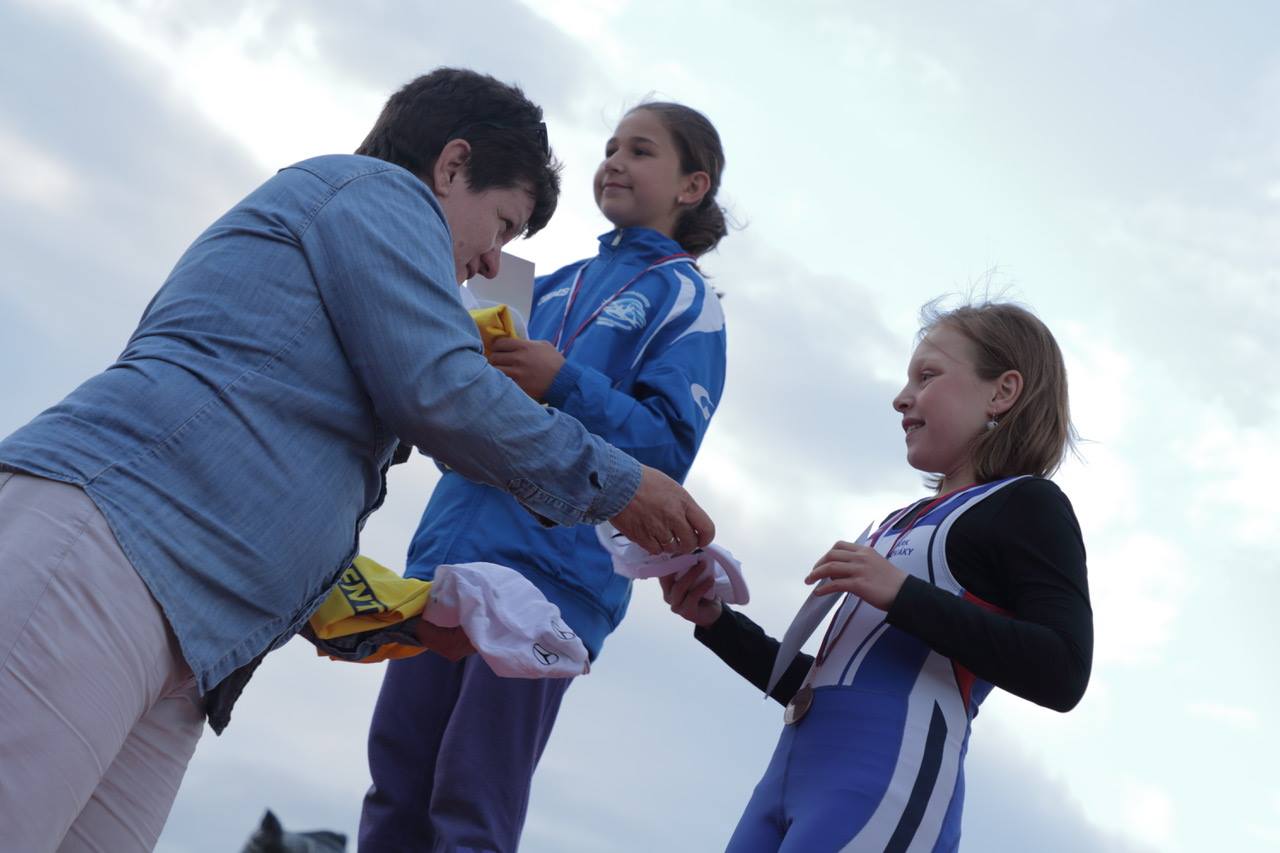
(944, 406)
(639, 182)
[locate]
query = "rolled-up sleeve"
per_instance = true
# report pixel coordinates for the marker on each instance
(380, 253)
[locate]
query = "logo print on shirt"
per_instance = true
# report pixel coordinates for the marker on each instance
(359, 593)
(555, 294)
(702, 397)
(546, 657)
(628, 311)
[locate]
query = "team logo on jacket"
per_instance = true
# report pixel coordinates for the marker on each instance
(702, 397)
(629, 311)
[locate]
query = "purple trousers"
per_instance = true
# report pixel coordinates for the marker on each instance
(452, 750)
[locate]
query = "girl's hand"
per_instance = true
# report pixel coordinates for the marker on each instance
(530, 364)
(450, 643)
(687, 595)
(860, 570)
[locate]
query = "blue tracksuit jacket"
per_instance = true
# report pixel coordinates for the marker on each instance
(646, 375)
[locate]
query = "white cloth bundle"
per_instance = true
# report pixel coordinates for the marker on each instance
(512, 625)
(632, 561)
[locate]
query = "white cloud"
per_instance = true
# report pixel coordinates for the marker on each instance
(1269, 835)
(1201, 281)
(1233, 715)
(1138, 584)
(1100, 374)
(1237, 469)
(590, 22)
(1019, 800)
(1151, 814)
(290, 81)
(29, 176)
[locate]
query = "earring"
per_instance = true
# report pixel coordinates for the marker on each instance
(992, 423)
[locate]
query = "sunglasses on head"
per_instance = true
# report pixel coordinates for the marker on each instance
(539, 130)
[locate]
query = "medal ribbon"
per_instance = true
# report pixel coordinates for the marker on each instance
(824, 649)
(577, 287)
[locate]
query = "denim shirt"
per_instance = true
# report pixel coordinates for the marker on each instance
(241, 439)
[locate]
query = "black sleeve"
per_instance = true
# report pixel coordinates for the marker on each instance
(1021, 551)
(743, 645)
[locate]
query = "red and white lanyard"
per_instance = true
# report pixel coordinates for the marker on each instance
(577, 286)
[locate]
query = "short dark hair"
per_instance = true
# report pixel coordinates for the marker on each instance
(701, 227)
(504, 128)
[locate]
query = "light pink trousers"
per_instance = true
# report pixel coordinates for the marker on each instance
(99, 713)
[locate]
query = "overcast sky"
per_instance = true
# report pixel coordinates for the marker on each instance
(1116, 165)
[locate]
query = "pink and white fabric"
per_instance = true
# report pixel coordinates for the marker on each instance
(632, 561)
(512, 625)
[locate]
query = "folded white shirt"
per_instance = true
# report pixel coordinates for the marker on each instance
(632, 561)
(512, 625)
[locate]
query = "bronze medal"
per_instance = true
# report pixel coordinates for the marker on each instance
(798, 706)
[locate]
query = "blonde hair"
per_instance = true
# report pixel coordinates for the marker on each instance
(1034, 435)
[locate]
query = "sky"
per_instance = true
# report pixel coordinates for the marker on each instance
(1114, 165)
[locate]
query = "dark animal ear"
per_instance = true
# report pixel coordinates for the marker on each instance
(271, 825)
(267, 838)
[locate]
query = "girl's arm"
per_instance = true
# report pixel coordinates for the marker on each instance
(677, 388)
(1020, 552)
(745, 646)
(734, 638)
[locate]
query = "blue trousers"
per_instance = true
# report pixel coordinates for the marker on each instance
(846, 778)
(452, 750)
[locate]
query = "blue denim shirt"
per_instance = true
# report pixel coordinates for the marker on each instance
(241, 439)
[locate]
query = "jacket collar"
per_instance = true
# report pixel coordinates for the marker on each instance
(645, 243)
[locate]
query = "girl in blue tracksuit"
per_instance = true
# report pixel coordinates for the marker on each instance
(631, 342)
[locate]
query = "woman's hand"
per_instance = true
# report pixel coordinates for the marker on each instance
(532, 365)
(687, 595)
(662, 518)
(861, 570)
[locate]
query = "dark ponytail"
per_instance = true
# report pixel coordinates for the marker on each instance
(701, 227)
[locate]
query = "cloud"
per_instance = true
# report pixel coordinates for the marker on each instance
(1138, 585)
(1236, 469)
(1217, 712)
(1015, 801)
(111, 181)
(1203, 276)
(1151, 814)
(28, 176)
(807, 357)
(378, 47)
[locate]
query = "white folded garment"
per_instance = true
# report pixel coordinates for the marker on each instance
(512, 625)
(632, 561)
